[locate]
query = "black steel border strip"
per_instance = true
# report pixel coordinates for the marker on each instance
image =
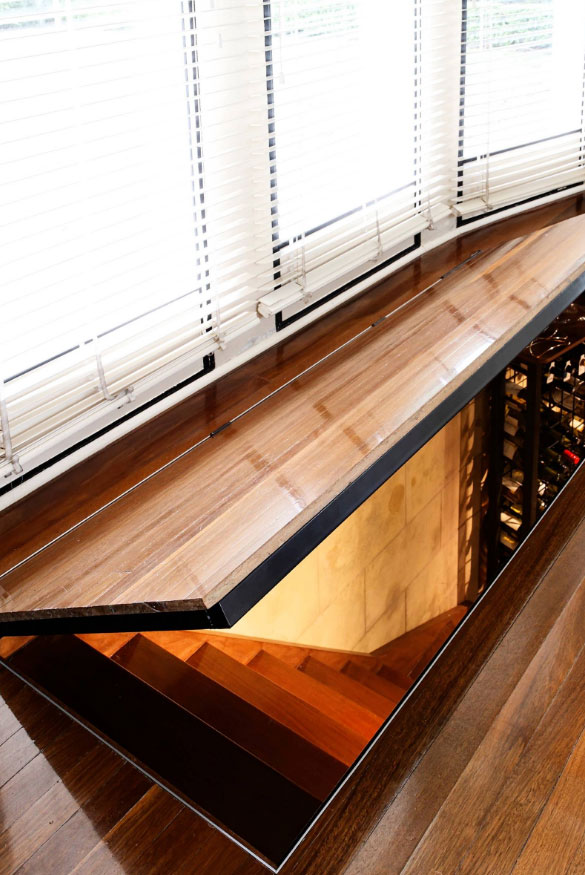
(268, 573)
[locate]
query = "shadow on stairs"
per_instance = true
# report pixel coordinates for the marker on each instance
(253, 734)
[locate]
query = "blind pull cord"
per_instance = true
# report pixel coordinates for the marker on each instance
(10, 456)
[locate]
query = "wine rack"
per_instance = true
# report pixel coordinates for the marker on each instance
(537, 433)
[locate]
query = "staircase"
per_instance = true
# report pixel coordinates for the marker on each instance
(252, 733)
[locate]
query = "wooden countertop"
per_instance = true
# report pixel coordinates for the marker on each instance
(225, 521)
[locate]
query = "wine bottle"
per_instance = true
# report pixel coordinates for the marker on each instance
(512, 449)
(508, 540)
(511, 520)
(572, 457)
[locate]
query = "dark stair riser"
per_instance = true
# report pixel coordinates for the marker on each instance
(287, 753)
(233, 787)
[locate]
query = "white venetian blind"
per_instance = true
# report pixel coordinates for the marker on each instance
(348, 111)
(522, 91)
(175, 173)
(104, 276)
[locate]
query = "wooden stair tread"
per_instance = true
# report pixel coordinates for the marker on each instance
(404, 653)
(281, 705)
(396, 677)
(328, 701)
(431, 651)
(244, 649)
(336, 659)
(274, 744)
(232, 786)
(380, 685)
(346, 686)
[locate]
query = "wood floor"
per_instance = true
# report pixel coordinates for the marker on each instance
(218, 516)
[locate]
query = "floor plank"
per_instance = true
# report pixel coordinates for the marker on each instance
(561, 826)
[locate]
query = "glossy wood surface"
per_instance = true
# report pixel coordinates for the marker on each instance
(410, 654)
(191, 533)
(357, 718)
(391, 691)
(383, 813)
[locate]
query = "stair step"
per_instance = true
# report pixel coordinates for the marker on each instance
(259, 805)
(336, 659)
(183, 644)
(431, 651)
(404, 653)
(245, 649)
(373, 681)
(283, 707)
(287, 753)
(330, 702)
(10, 644)
(242, 649)
(398, 678)
(346, 686)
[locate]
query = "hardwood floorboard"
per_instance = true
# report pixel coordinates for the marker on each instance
(560, 829)
(522, 676)
(124, 844)
(79, 835)
(364, 807)
(45, 812)
(16, 752)
(181, 849)
(508, 779)
(63, 502)
(498, 686)
(99, 813)
(513, 816)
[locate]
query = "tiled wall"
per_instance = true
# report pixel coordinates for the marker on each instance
(389, 567)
